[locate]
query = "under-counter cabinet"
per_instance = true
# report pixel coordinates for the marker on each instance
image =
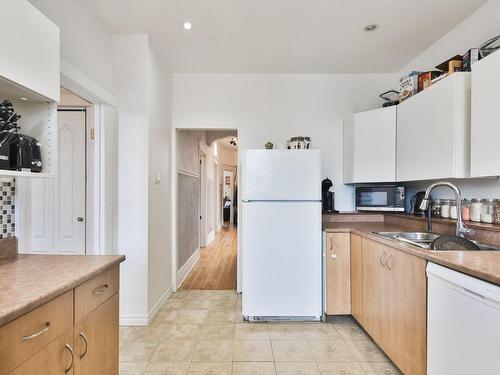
(356, 279)
(433, 130)
(338, 284)
(371, 144)
(76, 333)
(394, 304)
(485, 123)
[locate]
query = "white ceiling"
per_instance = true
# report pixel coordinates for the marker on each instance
(286, 36)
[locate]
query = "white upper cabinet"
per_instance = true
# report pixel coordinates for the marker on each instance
(374, 146)
(485, 125)
(433, 131)
(29, 57)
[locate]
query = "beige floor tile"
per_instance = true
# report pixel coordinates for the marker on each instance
(251, 331)
(213, 350)
(320, 331)
(327, 350)
(181, 331)
(291, 351)
(137, 351)
(133, 368)
(351, 332)
(217, 331)
(170, 368)
(194, 304)
(380, 368)
(180, 294)
(285, 331)
(212, 294)
(181, 316)
(252, 350)
(217, 316)
(222, 304)
(152, 333)
(172, 351)
(210, 368)
(366, 350)
(172, 304)
(253, 368)
(125, 332)
(340, 368)
(297, 368)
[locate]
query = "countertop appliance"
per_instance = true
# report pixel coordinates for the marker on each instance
(463, 327)
(25, 153)
(380, 198)
(327, 196)
(417, 200)
(281, 235)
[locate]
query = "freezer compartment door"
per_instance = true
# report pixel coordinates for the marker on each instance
(282, 259)
(281, 175)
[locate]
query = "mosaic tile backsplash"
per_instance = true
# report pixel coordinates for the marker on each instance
(7, 207)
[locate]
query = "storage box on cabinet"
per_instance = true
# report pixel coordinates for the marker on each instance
(433, 131)
(485, 123)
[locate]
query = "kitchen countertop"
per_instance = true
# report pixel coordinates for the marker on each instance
(484, 265)
(29, 281)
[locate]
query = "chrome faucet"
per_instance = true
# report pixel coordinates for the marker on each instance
(462, 229)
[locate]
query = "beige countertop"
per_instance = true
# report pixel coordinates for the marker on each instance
(484, 265)
(28, 281)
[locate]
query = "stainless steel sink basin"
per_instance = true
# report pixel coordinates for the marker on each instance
(424, 239)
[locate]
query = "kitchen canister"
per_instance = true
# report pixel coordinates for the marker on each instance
(453, 209)
(487, 210)
(466, 209)
(475, 210)
(445, 208)
(496, 212)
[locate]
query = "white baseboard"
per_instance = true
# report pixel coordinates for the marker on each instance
(210, 237)
(187, 267)
(144, 320)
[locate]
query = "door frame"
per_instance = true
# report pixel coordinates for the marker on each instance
(173, 203)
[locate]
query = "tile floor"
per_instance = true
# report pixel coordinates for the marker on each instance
(202, 332)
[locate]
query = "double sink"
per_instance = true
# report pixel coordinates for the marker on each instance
(424, 239)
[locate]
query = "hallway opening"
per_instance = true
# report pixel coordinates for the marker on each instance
(207, 209)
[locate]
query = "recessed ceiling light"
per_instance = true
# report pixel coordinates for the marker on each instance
(186, 25)
(371, 27)
(23, 98)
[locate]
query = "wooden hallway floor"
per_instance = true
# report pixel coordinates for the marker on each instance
(216, 268)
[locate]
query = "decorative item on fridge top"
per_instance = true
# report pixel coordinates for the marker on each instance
(8, 127)
(489, 47)
(451, 65)
(408, 86)
(425, 79)
(297, 143)
(390, 97)
(469, 58)
(269, 145)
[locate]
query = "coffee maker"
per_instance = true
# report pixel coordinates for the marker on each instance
(327, 196)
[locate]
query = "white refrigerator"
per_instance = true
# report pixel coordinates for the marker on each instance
(281, 235)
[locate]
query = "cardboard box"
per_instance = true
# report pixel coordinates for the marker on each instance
(408, 86)
(425, 79)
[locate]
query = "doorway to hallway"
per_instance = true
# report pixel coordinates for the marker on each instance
(207, 202)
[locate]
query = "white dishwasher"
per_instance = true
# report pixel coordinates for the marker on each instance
(463, 324)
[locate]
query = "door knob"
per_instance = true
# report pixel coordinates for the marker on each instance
(80, 218)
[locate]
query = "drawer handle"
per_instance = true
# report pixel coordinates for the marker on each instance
(380, 258)
(70, 349)
(47, 326)
(100, 289)
(86, 341)
(389, 267)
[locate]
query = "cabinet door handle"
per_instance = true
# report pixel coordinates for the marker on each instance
(70, 349)
(389, 267)
(86, 341)
(100, 290)
(334, 256)
(41, 332)
(380, 258)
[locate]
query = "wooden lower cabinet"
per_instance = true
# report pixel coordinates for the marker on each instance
(338, 263)
(356, 279)
(54, 359)
(96, 340)
(394, 304)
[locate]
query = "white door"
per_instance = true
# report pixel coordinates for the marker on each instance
(281, 249)
(69, 187)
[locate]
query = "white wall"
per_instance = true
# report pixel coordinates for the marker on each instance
(277, 106)
(472, 32)
(143, 147)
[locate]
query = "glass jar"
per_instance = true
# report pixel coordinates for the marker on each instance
(453, 209)
(436, 207)
(445, 208)
(496, 212)
(487, 210)
(475, 210)
(466, 209)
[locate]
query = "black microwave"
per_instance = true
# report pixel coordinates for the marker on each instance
(380, 198)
